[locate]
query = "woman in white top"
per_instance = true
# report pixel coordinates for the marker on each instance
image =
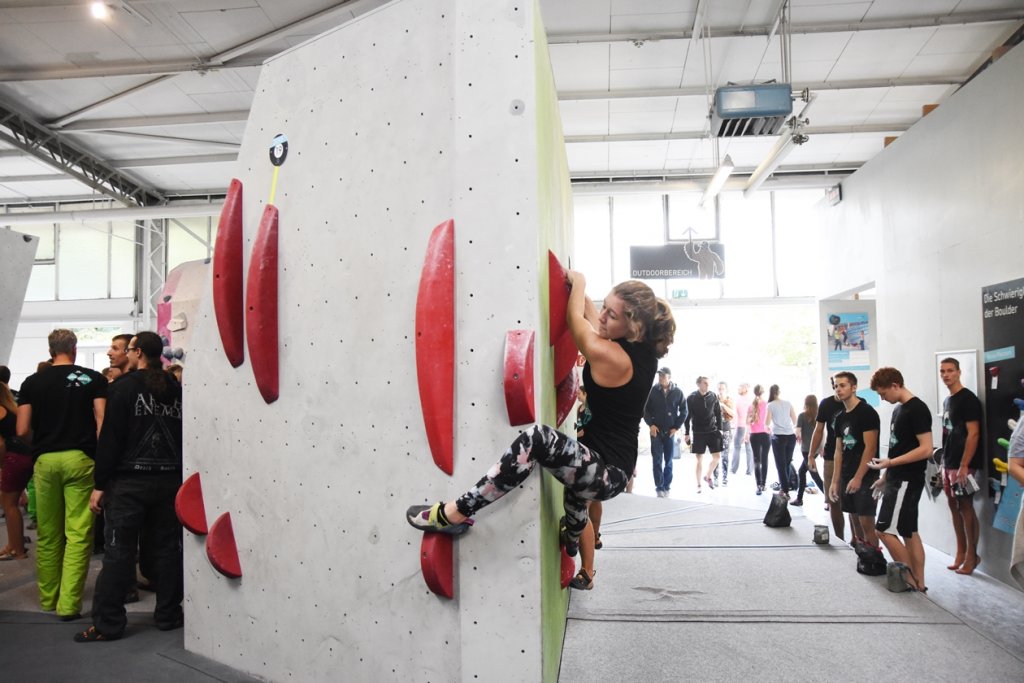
(782, 422)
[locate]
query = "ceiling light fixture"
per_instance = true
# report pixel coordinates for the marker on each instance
(792, 135)
(717, 180)
(99, 10)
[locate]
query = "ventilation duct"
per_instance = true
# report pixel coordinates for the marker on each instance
(751, 110)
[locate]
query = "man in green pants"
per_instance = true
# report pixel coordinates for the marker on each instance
(61, 411)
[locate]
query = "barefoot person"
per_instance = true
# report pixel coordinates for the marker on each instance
(622, 345)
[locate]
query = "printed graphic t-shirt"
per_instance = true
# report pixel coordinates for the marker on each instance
(850, 429)
(908, 420)
(62, 398)
(828, 409)
(957, 410)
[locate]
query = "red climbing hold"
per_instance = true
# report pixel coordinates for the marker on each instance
(189, 506)
(261, 307)
(568, 567)
(566, 354)
(221, 548)
(558, 298)
(435, 344)
(436, 563)
(227, 276)
(566, 397)
(519, 401)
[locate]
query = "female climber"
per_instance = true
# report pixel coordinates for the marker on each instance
(622, 344)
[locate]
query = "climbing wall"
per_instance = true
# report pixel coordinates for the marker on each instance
(363, 141)
(19, 254)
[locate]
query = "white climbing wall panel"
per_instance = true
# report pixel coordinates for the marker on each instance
(19, 253)
(419, 112)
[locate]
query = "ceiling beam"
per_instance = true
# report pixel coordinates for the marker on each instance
(151, 121)
(700, 91)
(172, 161)
(700, 135)
(57, 152)
(80, 113)
(36, 178)
(165, 138)
(105, 69)
(927, 21)
(705, 173)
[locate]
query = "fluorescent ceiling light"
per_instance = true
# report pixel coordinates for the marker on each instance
(718, 180)
(99, 10)
(783, 146)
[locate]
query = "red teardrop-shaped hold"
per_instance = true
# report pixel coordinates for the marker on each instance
(558, 298)
(261, 307)
(436, 564)
(566, 354)
(566, 396)
(519, 401)
(221, 549)
(568, 569)
(189, 506)
(435, 344)
(227, 276)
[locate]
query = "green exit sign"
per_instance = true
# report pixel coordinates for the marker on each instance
(680, 293)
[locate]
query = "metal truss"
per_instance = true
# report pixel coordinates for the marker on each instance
(53, 149)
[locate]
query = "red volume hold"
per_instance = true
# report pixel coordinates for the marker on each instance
(568, 567)
(261, 307)
(189, 506)
(436, 563)
(227, 275)
(558, 298)
(435, 344)
(519, 377)
(221, 548)
(566, 396)
(566, 354)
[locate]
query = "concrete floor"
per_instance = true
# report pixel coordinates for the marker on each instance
(693, 587)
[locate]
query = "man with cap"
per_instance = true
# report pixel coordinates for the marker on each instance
(665, 414)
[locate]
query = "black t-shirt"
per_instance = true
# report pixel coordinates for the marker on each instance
(616, 412)
(957, 410)
(828, 409)
(908, 420)
(850, 428)
(62, 398)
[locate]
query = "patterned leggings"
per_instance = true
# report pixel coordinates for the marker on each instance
(583, 472)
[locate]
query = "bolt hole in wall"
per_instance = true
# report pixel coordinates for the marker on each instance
(750, 326)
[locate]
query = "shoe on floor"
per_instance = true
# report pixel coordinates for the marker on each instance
(170, 625)
(91, 635)
(581, 581)
(69, 617)
(597, 543)
(131, 596)
(428, 518)
(797, 503)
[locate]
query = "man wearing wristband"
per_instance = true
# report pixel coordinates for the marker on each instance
(961, 433)
(910, 445)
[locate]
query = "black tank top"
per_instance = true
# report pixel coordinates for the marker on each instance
(616, 413)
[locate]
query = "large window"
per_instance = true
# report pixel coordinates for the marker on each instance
(189, 239)
(768, 240)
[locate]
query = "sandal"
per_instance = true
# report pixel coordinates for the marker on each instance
(582, 581)
(11, 555)
(597, 542)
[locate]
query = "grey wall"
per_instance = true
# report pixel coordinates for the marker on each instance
(418, 112)
(934, 218)
(19, 252)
